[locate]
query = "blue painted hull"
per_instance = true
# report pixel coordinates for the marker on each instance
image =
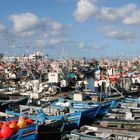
(72, 119)
(26, 133)
(82, 106)
(91, 113)
(104, 109)
(86, 113)
(87, 103)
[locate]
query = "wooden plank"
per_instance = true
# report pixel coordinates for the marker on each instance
(118, 131)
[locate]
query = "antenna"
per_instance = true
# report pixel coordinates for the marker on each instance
(27, 50)
(7, 52)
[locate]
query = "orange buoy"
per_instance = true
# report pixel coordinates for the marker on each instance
(6, 131)
(21, 122)
(12, 125)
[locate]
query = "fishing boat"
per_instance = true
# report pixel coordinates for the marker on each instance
(25, 128)
(124, 124)
(129, 102)
(87, 114)
(47, 113)
(28, 132)
(36, 130)
(83, 105)
(87, 132)
(9, 100)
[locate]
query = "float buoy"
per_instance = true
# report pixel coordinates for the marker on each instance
(14, 121)
(6, 131)
(12, 125)
(21, 122)
(0, 135)
(7, 123)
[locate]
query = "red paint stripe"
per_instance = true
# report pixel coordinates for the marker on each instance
(27, 133)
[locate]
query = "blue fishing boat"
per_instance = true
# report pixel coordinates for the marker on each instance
(102, 107)
(88, 102)
(87, 114)
(70, 119)
(36, 131)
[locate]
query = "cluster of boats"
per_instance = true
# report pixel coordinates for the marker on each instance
(67, 117)
(61, 105)
(122, 122)
(59, 114)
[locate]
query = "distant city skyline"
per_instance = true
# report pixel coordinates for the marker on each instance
(73, 28)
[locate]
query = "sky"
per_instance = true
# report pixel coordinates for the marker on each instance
(70, 28)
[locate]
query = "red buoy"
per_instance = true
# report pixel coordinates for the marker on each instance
(6, 131)
(0, 135)
(14, 121)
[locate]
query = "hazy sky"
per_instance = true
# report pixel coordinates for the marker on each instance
(75, 28)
